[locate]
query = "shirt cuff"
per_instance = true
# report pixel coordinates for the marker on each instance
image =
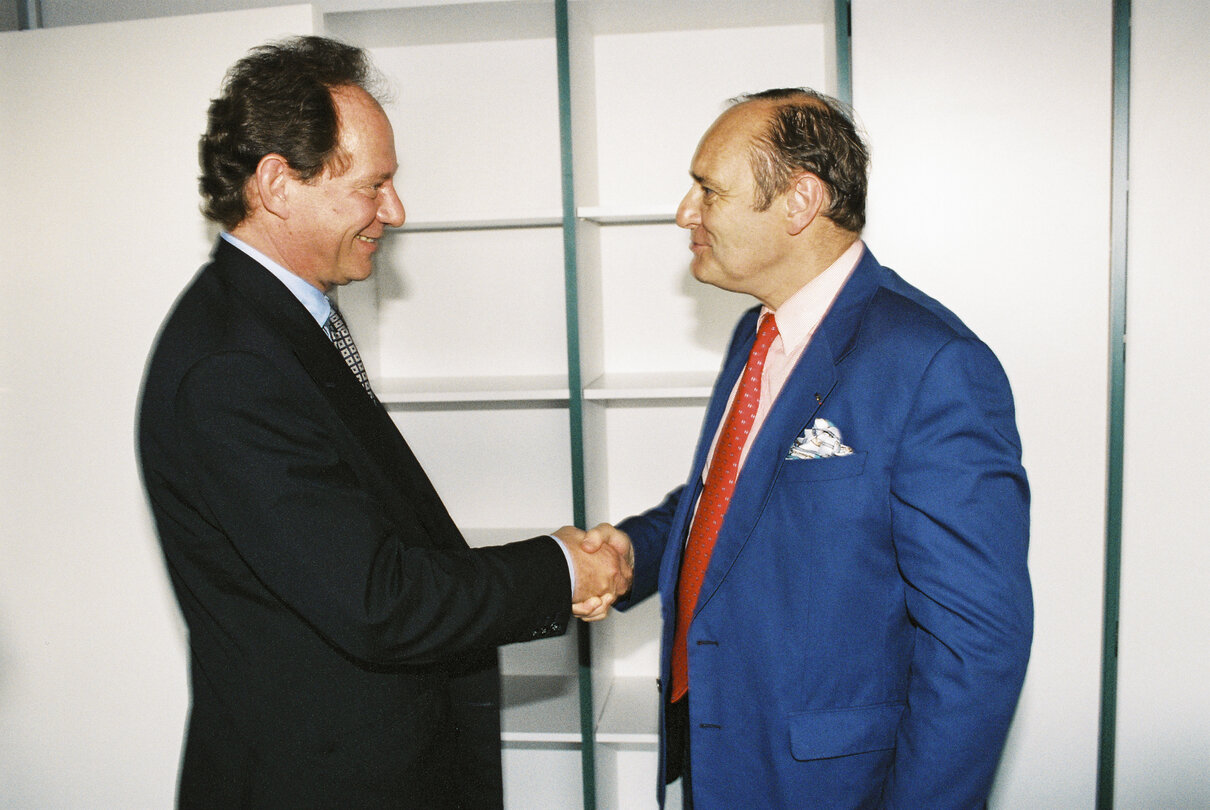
(571, 568)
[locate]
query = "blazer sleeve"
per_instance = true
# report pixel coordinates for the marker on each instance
(648, 534)
(283, 488)
(960, 516)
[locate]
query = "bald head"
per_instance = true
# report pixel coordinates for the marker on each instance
(800, 130)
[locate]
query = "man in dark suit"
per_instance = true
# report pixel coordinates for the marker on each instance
(847, 610)
(342, 635)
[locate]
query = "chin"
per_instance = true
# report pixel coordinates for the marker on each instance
(358, 274)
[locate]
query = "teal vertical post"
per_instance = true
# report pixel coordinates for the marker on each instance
(844, 50)
(1120, 174)
(576, 391)
(29, 15)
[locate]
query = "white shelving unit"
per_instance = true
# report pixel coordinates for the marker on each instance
(464, 326)
(647, 79)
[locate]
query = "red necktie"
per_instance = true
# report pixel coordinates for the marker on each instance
(716, 497)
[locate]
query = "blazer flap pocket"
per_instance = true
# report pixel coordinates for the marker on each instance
(824, 469)
(840, 732)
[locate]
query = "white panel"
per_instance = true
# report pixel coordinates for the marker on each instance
(647, 130)
(495, 467)
(1163, 744)
(483, 303)
(635, 140)
(657, 316)
(537, 776)
(474, 104)
(627, 775)
(99, 231)
(989, 190)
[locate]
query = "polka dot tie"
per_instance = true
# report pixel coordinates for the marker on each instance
(342, 339)
(716, 497)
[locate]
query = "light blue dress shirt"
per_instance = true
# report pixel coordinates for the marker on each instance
(307, 294)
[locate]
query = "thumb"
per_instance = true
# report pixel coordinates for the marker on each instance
(593, 539)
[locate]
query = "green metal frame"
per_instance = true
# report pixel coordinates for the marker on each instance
(29, 15)
(1119, 203)
(843, 19)
(575, 392)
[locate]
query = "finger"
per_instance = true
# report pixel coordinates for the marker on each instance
(587, 607)
(618, 539)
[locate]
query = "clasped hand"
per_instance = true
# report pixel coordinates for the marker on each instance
(604, 563)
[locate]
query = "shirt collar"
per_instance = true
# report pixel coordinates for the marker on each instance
(307, 294)
(800, 315)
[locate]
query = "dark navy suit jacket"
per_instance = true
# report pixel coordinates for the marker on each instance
(341, 633)
(864, 625)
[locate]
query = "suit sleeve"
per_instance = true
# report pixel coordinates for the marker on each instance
(960, 515)
(275, 479)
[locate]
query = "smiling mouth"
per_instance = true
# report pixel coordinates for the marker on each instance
(369, 239)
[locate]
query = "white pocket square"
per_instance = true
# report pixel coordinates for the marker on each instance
(820, 440)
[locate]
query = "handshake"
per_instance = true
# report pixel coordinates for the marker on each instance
(604, 564)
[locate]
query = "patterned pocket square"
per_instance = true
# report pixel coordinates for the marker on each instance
(821, 440)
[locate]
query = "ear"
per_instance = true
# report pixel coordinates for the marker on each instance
(269, 186)
(805, 199)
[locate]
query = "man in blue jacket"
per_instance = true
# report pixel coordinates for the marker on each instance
(847, 610)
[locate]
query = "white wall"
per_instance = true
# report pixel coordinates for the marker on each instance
(1163, 742)
(989, 125)
(99, 230)
(990, 130)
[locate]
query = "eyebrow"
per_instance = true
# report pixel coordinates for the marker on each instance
(381, 177)
(702, 180)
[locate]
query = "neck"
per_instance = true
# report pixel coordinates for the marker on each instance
(821, 247)
(264, 239)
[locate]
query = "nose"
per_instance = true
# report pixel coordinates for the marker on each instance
(688, 213)
(390, 209)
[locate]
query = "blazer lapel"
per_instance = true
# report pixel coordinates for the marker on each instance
(367, 420)
(812, 380)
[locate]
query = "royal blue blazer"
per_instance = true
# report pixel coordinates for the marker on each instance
(864, 626)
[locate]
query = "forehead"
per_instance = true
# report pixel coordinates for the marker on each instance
(365, 136)
(724, 149)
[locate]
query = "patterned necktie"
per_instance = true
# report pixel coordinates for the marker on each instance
(342, 339)
(716, 497)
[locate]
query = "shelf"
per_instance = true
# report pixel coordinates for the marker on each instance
(674, 385)
(470, 390)
(629, 715)
(545, 220)
(634, 16)
(540, 709)
(622, 216)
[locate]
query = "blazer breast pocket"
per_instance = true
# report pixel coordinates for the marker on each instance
(823, 469)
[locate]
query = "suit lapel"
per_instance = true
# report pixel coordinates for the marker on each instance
(804, 393)
(368, 421)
